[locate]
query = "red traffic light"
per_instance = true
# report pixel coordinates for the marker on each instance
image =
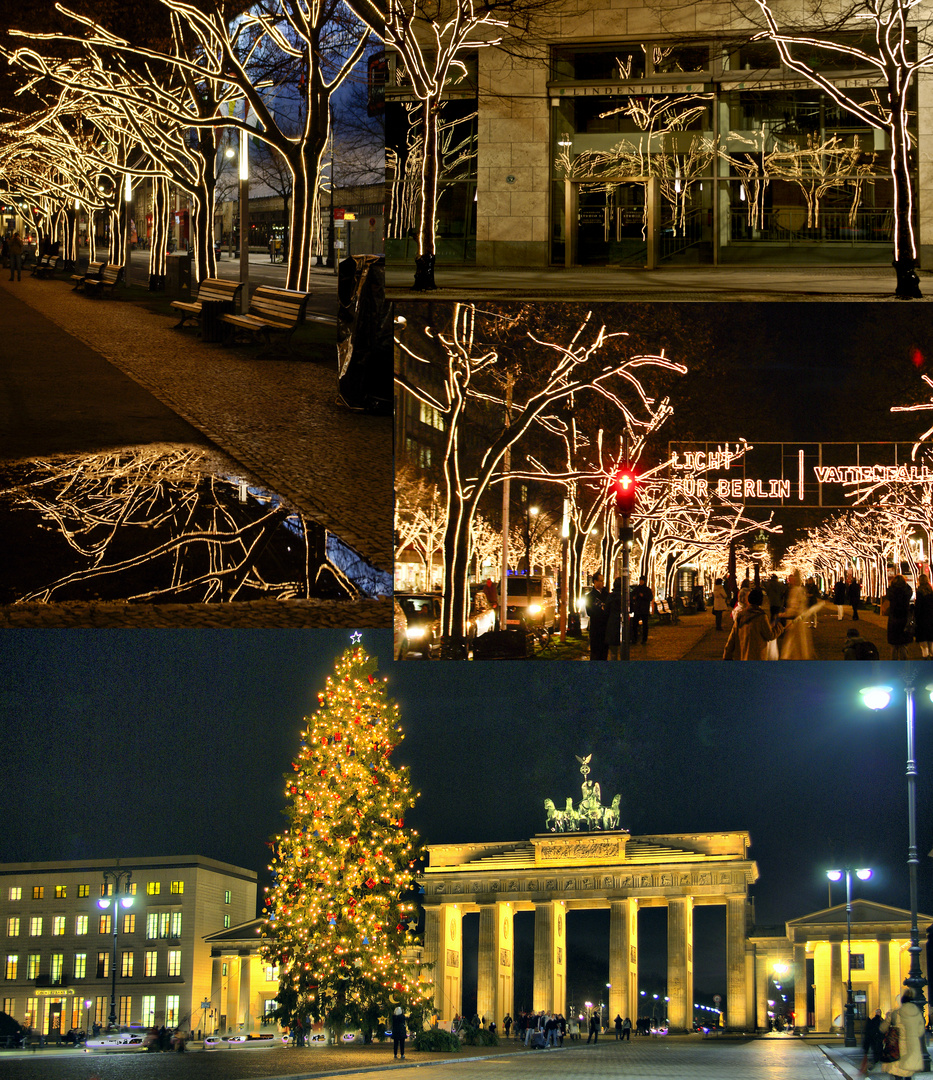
(625, 490)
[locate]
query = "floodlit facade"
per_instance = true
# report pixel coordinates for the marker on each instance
(58, 943)
(660, 132)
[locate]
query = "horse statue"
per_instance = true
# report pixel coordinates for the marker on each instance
(555, 817)
(571, 817)
(611, 814)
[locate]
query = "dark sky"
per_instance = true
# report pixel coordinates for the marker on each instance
(136, 743)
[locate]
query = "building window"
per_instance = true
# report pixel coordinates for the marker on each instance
(126, 966)
(16, 892)
(152, 963)
(152, 888)
(227, 896)
(171, 1010)
(177, 887)
(80, 924)
(226, 922)
(430, 416)
(129, 923)
(58, 925)
(174, 962)
(149, 1011)
(38, 892)
(84, 890)
(103, 965)
(176, 924)
(6, 1005)
(123, 1012)
(12, 926)
(35, 926)
(58, 964)
(32, 966)
(32, 1009)
(268, 1006)
(61, 892)
(858, 961)
(80, 965)
(12, 962)
(130, 888)
(223, 969)
(272, 973)
(104, 925)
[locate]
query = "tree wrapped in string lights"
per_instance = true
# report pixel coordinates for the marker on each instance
(890, 38)
(337, 917)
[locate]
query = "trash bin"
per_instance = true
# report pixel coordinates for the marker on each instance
(212, 329)
(178, 275)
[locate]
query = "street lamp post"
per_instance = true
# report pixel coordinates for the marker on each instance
(118, 877)
(835, 875)
(877, 697)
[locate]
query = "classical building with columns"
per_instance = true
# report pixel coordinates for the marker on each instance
(554, 874)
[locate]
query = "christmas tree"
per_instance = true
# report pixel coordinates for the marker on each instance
(337, 921)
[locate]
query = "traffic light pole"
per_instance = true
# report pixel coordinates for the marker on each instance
(625, 628)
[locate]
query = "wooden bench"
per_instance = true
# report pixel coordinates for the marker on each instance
(93, 273)
(47, 265)
(216, 290)
(281, 310)
(107, 281)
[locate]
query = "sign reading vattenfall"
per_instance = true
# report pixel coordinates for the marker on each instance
(827, 475)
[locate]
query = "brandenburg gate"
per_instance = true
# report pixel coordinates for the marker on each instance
(585, 861)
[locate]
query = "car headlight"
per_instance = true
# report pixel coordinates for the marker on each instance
(534, 609)
(415, 633)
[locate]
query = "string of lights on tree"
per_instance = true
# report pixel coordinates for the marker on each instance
(338, 915)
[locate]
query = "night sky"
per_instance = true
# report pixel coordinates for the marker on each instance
(143, 743)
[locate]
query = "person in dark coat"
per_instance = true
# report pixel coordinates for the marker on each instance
(597, 609)
(618, 1026)
(614, 621)
(839, 597)
(399, 1031)
(642, 597)
(897, 608)
(853, 594)
(923, 611)
(594, 1029)
(872, 1042)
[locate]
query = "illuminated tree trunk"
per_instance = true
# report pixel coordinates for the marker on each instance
(305, 163)
(159, 240)
(905, 251)
(427, 210)
(202, 209)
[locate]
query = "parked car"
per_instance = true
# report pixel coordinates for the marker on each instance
(423, 617)
(482, 617)
(532, 600)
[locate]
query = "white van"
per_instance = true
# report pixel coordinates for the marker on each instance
(532, 600)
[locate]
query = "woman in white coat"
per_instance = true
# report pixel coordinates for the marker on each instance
(908, 1020)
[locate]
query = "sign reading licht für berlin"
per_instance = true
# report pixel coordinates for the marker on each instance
(827, 475)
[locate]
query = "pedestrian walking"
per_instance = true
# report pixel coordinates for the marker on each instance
(618, 1027)
(798, 641)
(720, 602)
(751, 631)
(923, 612)
(399, 1031)
(597, 610)
(594, 1029)
(839, 597)
(507, 1024)
(872, 1042)
(853, 594)
(16, 257)
(896, 605)
(627, 1030)
(908, 1020)
(641, 599)
(774, 590)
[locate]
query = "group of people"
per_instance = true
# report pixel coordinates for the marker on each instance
(604, 611)
(11, 254)
(908, 1021)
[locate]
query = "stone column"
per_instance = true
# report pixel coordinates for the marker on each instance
(623, 959)
(885, 997)
(243, 1003)
(680, 964)
(216, 992)
(443, 946)
(800, 986)
(837, 995)
(550, 975)
(494, 982)
(736, 1014)
(761, 991)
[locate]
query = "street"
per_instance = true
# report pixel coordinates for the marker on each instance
(767, 1058)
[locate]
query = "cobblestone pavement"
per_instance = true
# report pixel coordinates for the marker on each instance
(278, 417)
(786, 1058)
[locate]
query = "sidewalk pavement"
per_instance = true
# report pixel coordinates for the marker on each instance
(694, 637)
(671, 283)
(61, 391)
